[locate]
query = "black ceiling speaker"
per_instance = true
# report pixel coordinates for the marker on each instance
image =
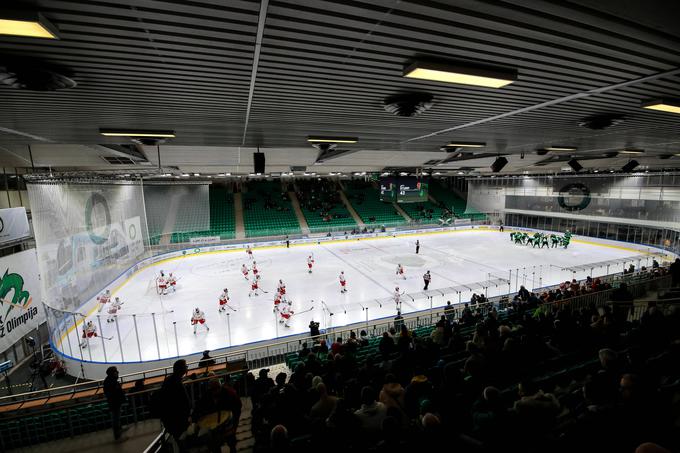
(599, 122)
(34, 75)
(498, 164)
(258, 159)
(408, 104)
(573, 163)
(630, 166)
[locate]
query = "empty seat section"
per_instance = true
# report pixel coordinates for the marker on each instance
(322, 206)
(222, 219)
(267, 210)
(365, 199)
(453, 202)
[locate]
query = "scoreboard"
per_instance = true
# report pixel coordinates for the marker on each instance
(403, 190)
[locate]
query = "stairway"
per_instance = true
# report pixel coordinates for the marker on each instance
(401, 211)
(238, 216)
(350, 208)
(298, 212)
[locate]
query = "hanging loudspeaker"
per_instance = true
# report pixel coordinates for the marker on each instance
(573, 163)
(258, 159)
(629, 166)
(498, 164)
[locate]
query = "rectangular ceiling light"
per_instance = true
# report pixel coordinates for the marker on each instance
(26, 23)
(136, 133)
(466, 145)
(665, 105)
(461, 73)
(330, 139)
(632, 151)
(560, 148)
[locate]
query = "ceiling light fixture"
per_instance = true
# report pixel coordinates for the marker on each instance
(461, 73)
(664, 105)
(560, 148)
(330, 139)
(632, 151)
(136, 133)
(466, 145)
(27, 23)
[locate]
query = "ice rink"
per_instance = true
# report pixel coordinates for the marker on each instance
(461, 262)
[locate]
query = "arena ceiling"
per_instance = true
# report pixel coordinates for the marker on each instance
(229, 76)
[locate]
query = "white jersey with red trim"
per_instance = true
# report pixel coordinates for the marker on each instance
(115, 306)
(104, 297)
(198, 317)
(172, 281)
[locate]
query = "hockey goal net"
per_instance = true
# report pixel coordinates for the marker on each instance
(152, 287)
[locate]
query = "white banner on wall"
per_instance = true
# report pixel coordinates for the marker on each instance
(13, 224)
(20, 297)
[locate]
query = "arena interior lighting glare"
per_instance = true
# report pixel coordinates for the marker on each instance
(560, 148)
(664, 105)
(461, 73)
(458, 144)
(329, 139)
(26, 23)
(136, 133)
(632, 151)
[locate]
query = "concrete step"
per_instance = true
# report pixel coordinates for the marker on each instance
(304, 227)
(351, 210)
(238, 216)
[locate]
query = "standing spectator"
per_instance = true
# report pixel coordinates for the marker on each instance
(363, 338)
(206, 360)
(675, 272)
(313, 328)
(233, 404)
(336, 347)
(449, 312)
(386, 344)
(427, 278)
(417, 246)
(262, 385)
(176, 410)
(398, 321)
(115, 398)
(372, 412)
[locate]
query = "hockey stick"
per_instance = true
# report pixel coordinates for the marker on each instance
(229, 306)
(303, 311)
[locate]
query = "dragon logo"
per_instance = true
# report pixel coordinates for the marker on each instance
(13, 282)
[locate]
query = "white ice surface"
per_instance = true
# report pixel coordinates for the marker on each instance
(454, 259)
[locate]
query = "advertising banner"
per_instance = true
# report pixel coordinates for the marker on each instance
(13, 224)
(20, 299)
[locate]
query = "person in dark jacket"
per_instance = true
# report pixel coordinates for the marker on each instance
(177, 405)
(115, 397)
